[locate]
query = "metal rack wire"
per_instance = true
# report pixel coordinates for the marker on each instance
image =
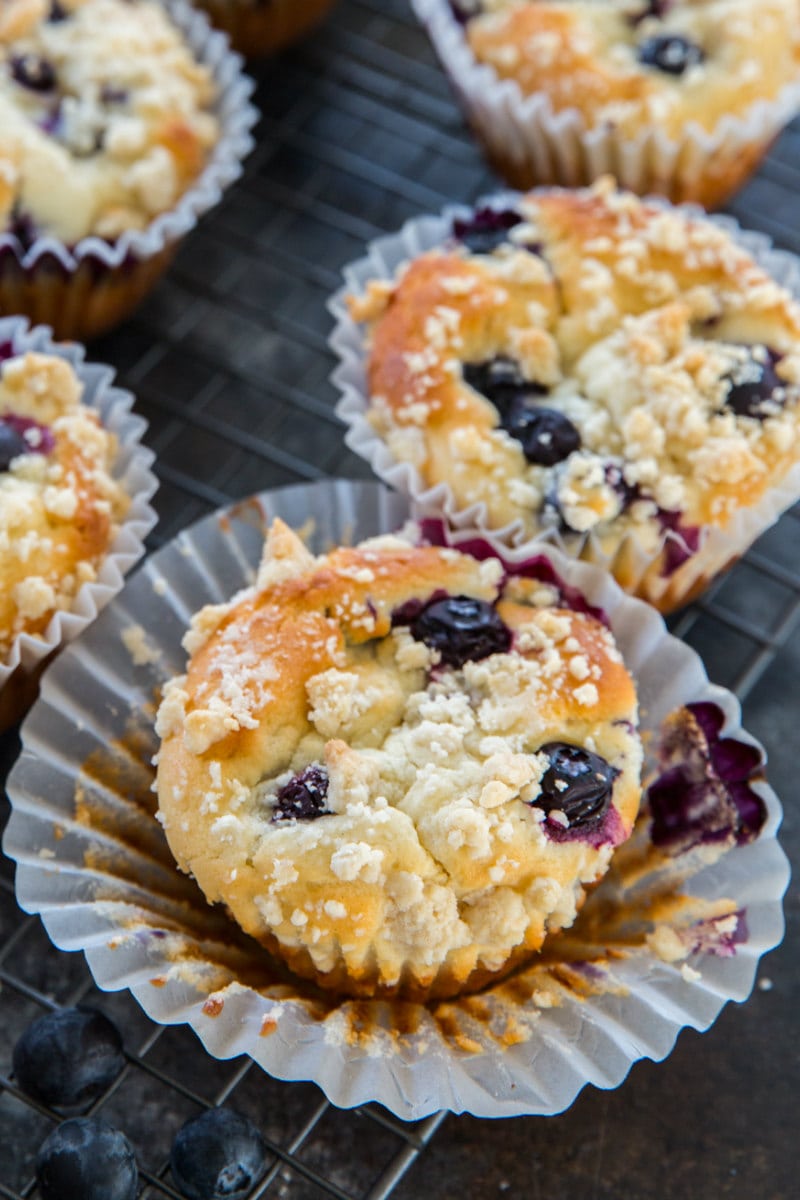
(230, 366)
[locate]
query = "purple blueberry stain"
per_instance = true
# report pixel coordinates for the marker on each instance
(577, 783)
(304, 797)
(703, 795)
(679, 548)
(462, 629)
(433, 530)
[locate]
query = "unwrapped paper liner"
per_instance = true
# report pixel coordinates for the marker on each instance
(530, 143)
(131, 469)
(86, 289)
(93, 862)
(637, 569)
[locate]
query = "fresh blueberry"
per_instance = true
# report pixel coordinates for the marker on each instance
(87, 1159)
(670, 53)
(68, 1058)
(462, 629)
(486, 229)
(303, 797)
(577, 782)
(754, 387)
(501, 381)
(12, 444)
(547, 436)
(219, 1155)
(33, 72)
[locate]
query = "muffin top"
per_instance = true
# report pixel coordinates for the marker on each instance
(396, 766)
(589, 363)
(631, 64)
(59, 505)
(105, 117)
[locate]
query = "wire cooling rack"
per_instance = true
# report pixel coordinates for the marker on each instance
(230, 366)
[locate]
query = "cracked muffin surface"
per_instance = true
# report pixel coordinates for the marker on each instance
(396, 766)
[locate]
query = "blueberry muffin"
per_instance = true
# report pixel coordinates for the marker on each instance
(616, 375)
(59, 504)
(258, 27)
(105, 117)
(695, 75)
(396, 766)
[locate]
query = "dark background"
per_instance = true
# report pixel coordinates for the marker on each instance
(230, 366)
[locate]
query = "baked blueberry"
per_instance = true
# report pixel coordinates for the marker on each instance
(670, 53)
(486, 229)
(219, 1155)
(68, 1058)
(653, 8)
(577, 782)
(754, 387)
(87, 1159)
(57, 12)
(12, 444)
(303, 797)
(33, 72)
(501, 381)
(462, 629)
(547, 436)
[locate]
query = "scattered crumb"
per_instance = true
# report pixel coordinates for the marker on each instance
(141, 650)
(765, 984)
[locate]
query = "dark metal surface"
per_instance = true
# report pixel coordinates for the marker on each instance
(229, 363)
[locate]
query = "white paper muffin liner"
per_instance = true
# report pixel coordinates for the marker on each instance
(530, 143)
(133, 261)
(131, 469)
(92, 861)
(637, 568)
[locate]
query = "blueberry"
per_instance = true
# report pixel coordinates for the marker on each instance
(501, 381)
(577, 782)
(23, 228)
(303, 797)
(111, 94)
(754, 387)
(87, 1159)
(653, 8)
(57, 12)
(670, 53)
(68, 1058)
(33, 72)
(465, 10)
(219, 1155)
(486, 229)
(12, 444)
(547, 435)
(462, 629)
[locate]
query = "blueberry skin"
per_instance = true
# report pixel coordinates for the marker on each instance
(501, 381)
(546, 435)
(33, 72)
(67, 1059)
(12, 444)
(670, 53)
(219, 1155)
(303, 797)
(577, 782)
(486, 229)
(462, 629)
(87, 1159)
(748, 398)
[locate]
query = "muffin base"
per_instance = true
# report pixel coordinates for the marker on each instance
(257, 30)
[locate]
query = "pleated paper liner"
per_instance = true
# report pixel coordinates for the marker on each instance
(638, 568)
(20, 670)
(87, 289)
(93, 862)
(529, 143)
